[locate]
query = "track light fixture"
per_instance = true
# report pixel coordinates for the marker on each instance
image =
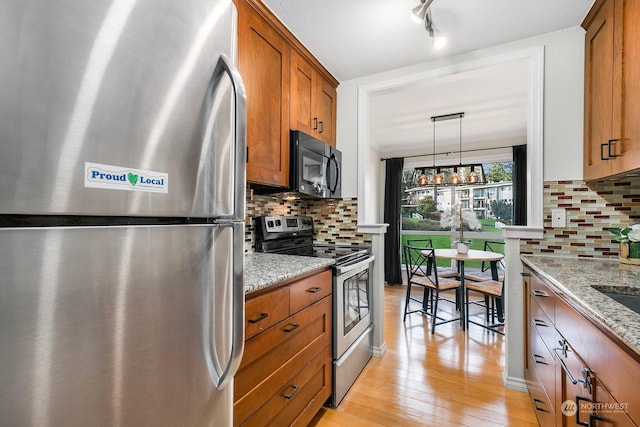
(422, 13)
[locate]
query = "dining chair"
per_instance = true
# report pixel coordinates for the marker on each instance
(493, 303)
(485, 268)
(427, 244)
(422, 271)
(423, 243)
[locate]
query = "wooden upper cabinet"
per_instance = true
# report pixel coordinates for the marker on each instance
(263, 60)
(313, 101)
(612, 74)
(327, 107)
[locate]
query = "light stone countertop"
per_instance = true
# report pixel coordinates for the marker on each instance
(263, 270)
(574, 277)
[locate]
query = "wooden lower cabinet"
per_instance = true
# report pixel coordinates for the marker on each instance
(577, 374)
(285, 374)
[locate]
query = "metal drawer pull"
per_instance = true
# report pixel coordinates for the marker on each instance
(585, 372)
(523, 274)
(259, 318)
(539, 359)
(538, 293)
(539, 322)
(292, 328)
(535, 405)
(579, 400)
(314, 290)
(593, 418)
(294, 391)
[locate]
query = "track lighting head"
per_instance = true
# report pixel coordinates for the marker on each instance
(438, 39)
(419, 12)
(422, 13)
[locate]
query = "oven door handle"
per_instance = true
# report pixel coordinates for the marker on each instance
(340, 270)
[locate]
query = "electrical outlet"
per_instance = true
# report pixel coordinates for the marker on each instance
(558, 218)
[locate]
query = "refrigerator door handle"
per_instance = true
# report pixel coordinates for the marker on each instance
(226, 66)
(222, 375)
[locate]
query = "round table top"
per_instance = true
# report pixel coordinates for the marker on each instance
(472, 255)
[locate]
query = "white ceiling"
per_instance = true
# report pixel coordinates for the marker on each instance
(355, 38)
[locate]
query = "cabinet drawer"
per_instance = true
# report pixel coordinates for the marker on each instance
(309, 290)
(541, 404)
(544, 365)
(608, 412)
(543, 325)
(543, 296)
(266, 310)
(270, 357)
(614, 367)
(309, 387)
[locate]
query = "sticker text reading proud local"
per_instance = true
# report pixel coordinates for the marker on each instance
(121, 178)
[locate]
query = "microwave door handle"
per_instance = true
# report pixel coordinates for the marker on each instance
(335, 184)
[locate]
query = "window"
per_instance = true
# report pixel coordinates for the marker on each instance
(422, 207)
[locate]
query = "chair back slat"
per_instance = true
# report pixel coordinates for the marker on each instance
(491, 246)
(421, 261)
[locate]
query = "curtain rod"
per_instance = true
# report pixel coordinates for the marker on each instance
(448, 152)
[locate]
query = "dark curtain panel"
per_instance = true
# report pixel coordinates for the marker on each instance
(392, 200)
(520, 185)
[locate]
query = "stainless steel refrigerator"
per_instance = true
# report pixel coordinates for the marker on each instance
(122, 184)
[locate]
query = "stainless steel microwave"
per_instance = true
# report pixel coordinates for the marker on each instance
(316, 167)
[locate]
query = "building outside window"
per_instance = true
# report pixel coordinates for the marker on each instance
(490, 202)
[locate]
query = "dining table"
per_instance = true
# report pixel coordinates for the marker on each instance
(472, 255)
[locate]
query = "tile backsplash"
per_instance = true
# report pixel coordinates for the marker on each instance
(591, 210)
(334, 220)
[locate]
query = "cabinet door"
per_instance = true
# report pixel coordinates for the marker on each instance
(313, 101)
(263, 60)
(629, 147)
(602, 92)
(302, 111)
(326, 107)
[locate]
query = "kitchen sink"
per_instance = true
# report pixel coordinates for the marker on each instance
(631, 301)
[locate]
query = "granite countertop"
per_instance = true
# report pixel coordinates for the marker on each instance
(263, 270)
(575, 277)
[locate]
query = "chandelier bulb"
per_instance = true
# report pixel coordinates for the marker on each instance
(438, 179)
(473, 177)
(455, 178)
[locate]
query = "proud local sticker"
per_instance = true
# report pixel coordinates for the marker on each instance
(121, 178)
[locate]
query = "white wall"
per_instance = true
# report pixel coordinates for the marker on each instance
(562, 149)
(563, 104)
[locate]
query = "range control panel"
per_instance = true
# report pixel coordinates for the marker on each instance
(286, 224)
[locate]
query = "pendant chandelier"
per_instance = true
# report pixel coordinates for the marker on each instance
(460, 174)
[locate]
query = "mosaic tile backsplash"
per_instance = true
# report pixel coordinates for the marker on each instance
(591, 210)
(334, 220)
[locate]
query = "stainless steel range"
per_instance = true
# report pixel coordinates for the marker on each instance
(352, 347)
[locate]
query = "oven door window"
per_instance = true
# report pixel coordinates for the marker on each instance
(313, 170)
(356, 299)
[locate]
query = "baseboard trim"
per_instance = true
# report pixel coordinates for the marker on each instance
(515, 383)
(380, 351)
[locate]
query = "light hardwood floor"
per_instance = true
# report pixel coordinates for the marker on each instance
(450, 378)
